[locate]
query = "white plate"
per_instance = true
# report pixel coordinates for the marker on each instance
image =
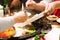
(58, 20)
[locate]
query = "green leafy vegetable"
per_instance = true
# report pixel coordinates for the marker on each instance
(37, 37)
(43, 34)
(32, 31)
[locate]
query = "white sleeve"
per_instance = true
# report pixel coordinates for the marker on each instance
(47, 1)
(5, 23)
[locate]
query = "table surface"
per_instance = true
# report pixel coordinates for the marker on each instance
(54, 33)
(55, 24)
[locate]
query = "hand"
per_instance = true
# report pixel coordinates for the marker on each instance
(20, 17)
(50, 8)
(31, 4)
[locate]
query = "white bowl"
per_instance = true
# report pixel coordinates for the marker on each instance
(52, 17)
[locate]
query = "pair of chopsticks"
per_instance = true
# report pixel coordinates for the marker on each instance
(34, 18)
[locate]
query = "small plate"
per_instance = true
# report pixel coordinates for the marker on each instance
(58, 20)
(52, 17)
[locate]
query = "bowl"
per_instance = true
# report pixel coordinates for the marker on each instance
(52, 17)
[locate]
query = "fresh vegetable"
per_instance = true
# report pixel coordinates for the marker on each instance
(42, 37)
(32, 31)
(37, 37)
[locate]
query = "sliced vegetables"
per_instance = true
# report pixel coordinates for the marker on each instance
(32, 31)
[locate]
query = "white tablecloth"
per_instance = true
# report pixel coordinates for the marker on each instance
(53, 34)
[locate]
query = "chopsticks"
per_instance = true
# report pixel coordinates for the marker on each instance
(34, 18)
(22, 7)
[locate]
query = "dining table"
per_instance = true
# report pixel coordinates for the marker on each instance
(54, 34)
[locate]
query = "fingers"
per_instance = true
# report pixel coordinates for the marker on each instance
(20, 17)
(48, 9)
(30, 4)
(30, 0)
(46, 12)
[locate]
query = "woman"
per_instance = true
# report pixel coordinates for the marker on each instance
(7, 22)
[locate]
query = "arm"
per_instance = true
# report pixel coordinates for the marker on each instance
(41, 6)
(37, 6)
(33, 5)
(52, 6)
(6, 23)
(56, 4)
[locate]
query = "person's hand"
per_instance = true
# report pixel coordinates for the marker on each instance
(20, 17)
(49, 9)
(31, 4)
